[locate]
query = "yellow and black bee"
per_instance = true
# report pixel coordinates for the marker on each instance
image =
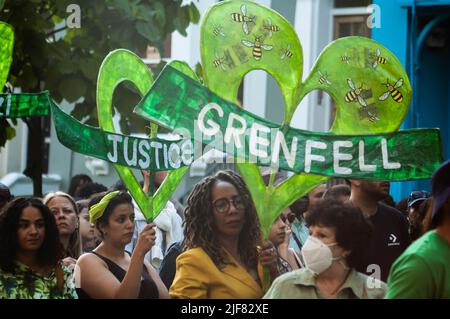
(219, 62)
(323, 78)
(218, 30)
(271, 27)
(286, 52)
(257, 46)
(243, 18)
(345, 58)
(392, 90)
(372, 117)
(369, 112)
(354, 94)
(378, 59)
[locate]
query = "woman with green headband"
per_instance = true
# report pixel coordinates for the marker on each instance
(109, 272)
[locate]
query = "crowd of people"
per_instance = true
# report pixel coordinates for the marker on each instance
(345, 241)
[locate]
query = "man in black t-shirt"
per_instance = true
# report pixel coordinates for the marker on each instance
(390, 227)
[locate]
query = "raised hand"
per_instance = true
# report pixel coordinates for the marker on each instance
(146, 239)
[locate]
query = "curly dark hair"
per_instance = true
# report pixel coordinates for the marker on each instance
(122, 198)
(199, 230)
(51, 250)
(353, 230)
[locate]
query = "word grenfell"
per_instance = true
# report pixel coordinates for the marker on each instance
(267, 144)
(178, 102)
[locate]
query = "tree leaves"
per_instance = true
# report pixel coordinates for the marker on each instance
(149, 30)
(72, 88)
(194, 15)
(7, 36)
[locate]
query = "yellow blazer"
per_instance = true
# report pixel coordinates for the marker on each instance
(197, 277)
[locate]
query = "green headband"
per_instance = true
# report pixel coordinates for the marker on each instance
(97, 210)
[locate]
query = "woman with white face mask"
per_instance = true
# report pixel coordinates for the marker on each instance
(338, 241)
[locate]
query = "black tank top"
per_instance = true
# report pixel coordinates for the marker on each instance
(148, 290)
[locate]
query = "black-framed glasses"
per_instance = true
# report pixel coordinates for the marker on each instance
(222, 205)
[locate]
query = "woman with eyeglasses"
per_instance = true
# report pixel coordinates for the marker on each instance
(221, 239)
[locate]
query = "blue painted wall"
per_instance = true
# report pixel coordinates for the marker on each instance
(432, 104)
(393, 33)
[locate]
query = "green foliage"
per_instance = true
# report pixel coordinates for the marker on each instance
(49, 56)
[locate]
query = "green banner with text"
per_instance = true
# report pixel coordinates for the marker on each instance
(15, 105)
(140, 153)
(178, 102)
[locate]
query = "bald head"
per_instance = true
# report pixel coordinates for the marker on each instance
(376, 190)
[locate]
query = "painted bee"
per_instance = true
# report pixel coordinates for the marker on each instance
(218, 30)
(219, 62)
(243, 18)
(355, 93)
(369, 112)
(286, 52)
(271, 27)
(323, 78)
(392, 90)
(372, 117)
(378, 59)
(345, 58)
(257, 46)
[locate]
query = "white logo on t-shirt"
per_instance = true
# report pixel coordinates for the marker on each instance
(393, 240)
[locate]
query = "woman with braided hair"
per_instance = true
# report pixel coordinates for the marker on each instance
(221, 240)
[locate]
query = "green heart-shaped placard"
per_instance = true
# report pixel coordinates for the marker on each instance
(118, 66)
(6, 50)
(240, 36)
(360, 62)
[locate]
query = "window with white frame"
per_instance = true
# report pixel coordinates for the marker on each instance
(350, 18)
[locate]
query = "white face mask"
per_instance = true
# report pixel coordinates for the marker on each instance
(317, 255)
